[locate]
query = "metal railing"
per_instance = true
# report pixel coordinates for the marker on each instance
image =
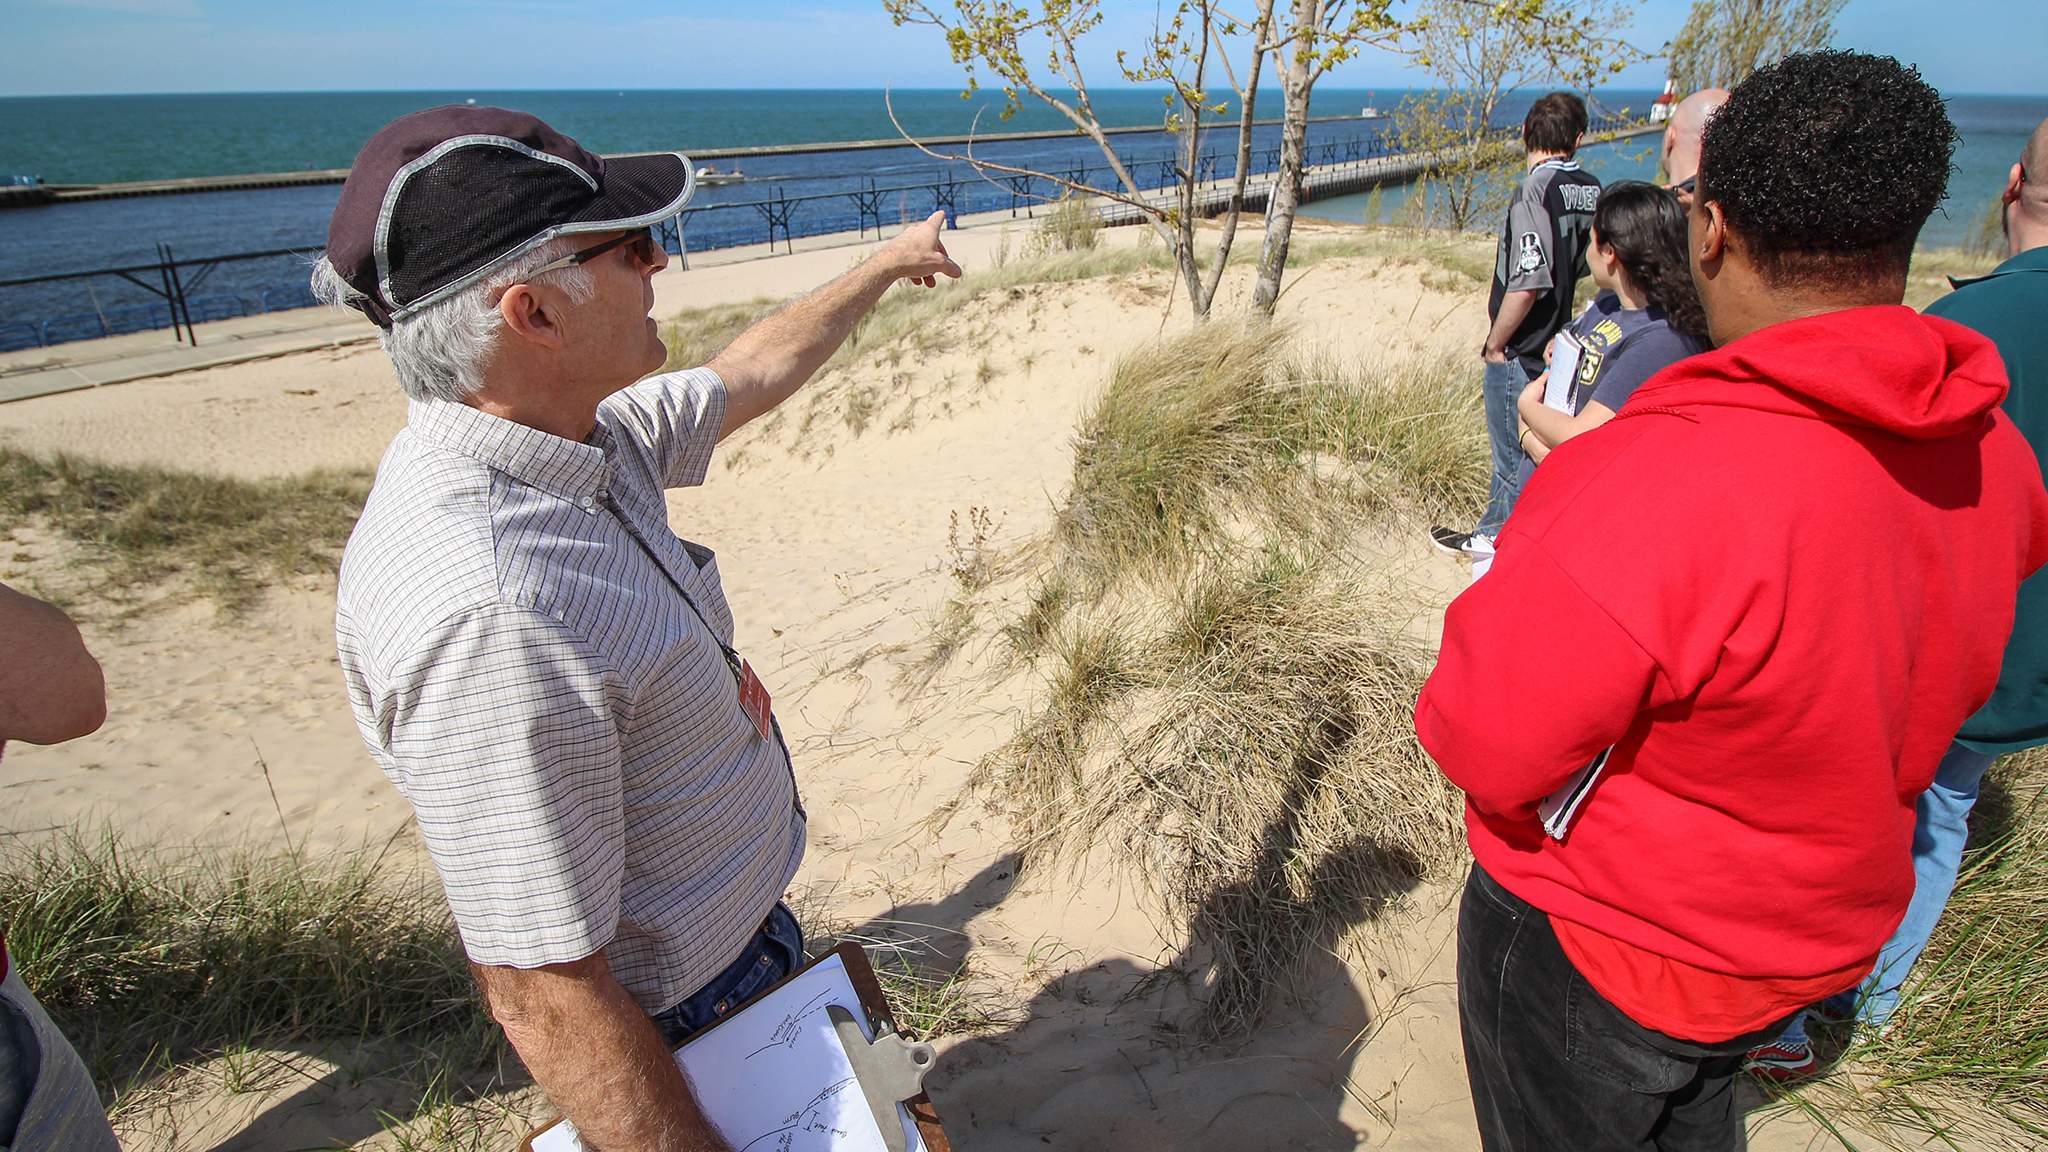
(775, 219)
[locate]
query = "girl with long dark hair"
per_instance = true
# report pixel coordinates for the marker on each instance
(1646, 317)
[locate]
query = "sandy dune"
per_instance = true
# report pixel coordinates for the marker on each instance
(832, 528)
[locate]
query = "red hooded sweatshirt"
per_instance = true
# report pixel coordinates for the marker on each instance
(1777, 583)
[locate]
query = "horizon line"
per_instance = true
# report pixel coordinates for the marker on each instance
(792, 89)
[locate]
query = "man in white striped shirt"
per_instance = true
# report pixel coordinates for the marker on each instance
(542, 667)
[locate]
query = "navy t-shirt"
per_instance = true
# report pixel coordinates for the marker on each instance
(1623, 347)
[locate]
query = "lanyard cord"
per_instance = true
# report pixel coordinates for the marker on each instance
(732, 658)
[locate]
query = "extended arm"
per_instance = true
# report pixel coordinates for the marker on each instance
(593, 1051)
(774, 358)
(51, 689)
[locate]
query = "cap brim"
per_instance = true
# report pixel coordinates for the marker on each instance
(638, 191)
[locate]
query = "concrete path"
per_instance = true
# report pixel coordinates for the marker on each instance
(119, 359)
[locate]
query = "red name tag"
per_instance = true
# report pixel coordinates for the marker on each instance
(754, 700)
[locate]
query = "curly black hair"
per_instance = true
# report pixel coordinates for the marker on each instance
(1645, 227)
(1826, 164)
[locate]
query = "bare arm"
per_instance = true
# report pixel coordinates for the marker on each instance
(596, 1055)
(51, 689)
(774, 358)
(1551, 427)
(1514, 308)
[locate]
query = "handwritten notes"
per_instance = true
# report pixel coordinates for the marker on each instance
(775, 1078)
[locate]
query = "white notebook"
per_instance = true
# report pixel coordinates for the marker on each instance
(1564, 372)
(1561, 807)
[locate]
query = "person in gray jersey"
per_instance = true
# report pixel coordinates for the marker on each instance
(547, 672)
(1537, 265)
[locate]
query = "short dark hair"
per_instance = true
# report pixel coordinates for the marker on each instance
(1827, 164)
(1554, 123)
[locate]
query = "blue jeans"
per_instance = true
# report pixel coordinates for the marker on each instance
(775, 951)
(1500, 389)
(1940, 829)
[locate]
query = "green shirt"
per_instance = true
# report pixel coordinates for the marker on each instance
(2011, 307)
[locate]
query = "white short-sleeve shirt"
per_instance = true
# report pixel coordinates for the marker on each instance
(532, 678)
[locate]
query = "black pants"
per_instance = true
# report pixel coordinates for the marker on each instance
(1554, 1066)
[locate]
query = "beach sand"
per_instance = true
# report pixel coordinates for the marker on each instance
(832, 528)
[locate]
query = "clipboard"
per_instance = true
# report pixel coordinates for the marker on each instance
(861, 975)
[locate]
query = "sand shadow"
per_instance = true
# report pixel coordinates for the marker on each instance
(932, 934)
(1242, 1040)
(356, 1101)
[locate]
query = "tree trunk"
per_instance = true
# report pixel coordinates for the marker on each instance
(1295, 81)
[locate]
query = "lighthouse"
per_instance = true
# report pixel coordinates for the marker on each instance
(1660, 110)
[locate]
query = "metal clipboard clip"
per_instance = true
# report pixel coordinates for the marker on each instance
(890, 1070)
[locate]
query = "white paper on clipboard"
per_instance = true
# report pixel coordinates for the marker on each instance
(1564, 372)
(774, 1078)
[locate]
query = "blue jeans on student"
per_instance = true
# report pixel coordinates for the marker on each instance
(775, 951)
(1940, 830)
(1500, 389)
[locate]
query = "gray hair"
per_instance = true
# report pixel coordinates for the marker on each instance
(440, 352)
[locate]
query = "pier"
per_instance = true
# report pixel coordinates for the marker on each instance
(68, 193)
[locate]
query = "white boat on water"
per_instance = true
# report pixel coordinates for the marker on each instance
(711, 177)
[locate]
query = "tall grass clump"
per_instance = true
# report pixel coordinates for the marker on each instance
(1227, 686)
(230, 537)
(148, 958)
(1972, 1028)
(1071, 225)
(1221, 425)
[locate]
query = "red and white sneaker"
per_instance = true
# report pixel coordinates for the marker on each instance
(1781, 1060)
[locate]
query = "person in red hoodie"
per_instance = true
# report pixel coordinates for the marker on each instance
(1774, 585)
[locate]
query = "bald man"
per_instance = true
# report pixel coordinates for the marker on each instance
(1681, 157)
(2006, 306)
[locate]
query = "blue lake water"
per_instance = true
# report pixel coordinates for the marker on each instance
(1992, 129)
(98, 139)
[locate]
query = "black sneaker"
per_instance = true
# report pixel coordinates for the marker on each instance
(1447, 540)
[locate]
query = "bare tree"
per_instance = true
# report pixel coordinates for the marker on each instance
(1312, 37)
(1725, 40)
(1479, 51)
(1185, 51)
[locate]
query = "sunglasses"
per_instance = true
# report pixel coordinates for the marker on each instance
(645, 250)
(1686, 186)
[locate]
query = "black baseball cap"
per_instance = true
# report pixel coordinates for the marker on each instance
(439, 199)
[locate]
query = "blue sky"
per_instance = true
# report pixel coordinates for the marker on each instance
(89, 46)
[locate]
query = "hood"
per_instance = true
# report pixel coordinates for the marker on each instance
(1885, 367)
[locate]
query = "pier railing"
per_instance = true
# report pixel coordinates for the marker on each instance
(174, 290)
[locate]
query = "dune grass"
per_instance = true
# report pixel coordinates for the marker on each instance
(156, 961)
(1227, 685)
(1968, 1049)
(222, 537)
(695, 336)
(1233, 423)
(150, 959)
